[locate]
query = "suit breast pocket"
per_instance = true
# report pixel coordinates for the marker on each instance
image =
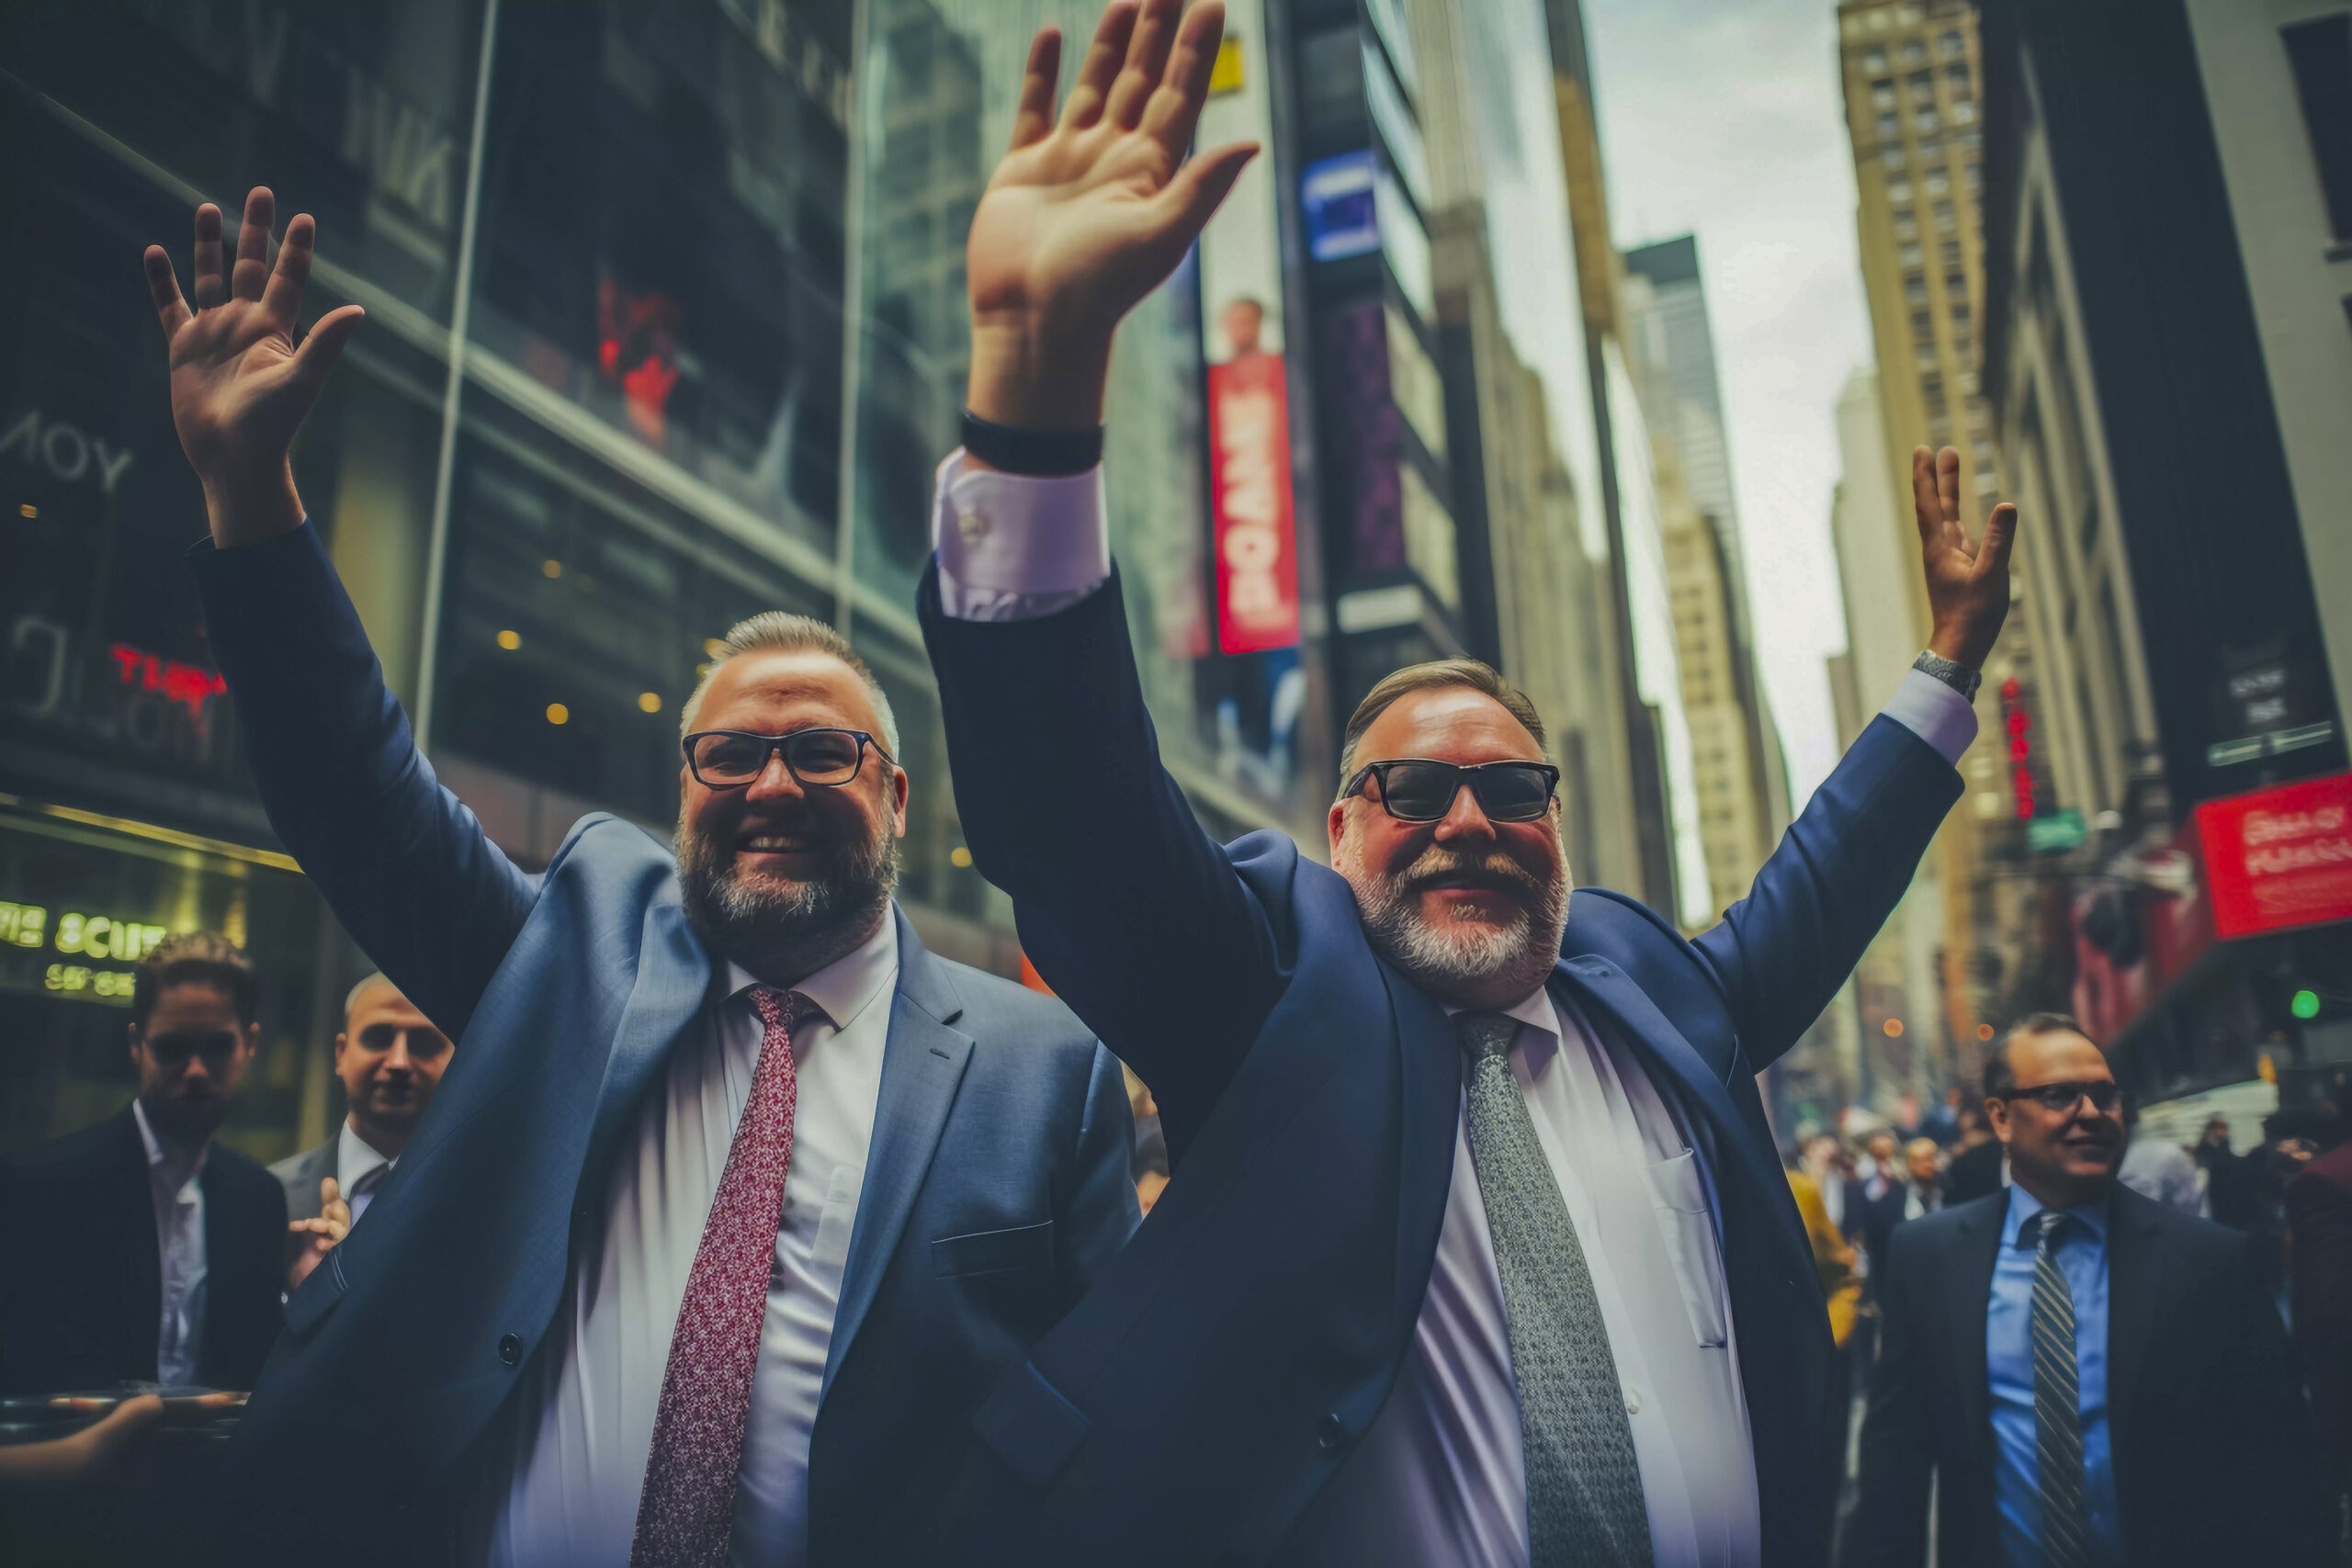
(1678, 1204)
(994, 1252)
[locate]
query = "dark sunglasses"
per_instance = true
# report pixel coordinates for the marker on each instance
(174, 1049)
(2105, 1094)
(1416, 789)
(730, 759)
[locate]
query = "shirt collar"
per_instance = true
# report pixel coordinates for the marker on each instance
(167, 1167)
(1534, 1009)
(2024, 1205)
(355, 1157)
(845, 988)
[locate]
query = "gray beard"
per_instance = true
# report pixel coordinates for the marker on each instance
(784, 935)
(1444, 962)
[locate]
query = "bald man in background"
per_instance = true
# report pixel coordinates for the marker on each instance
(390, 1057)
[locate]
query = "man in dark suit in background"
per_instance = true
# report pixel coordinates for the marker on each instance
(139, 1250)
(1571, 1317)
(2093, 1377)
(390, 1057)
(734, 1198)
(2319, 1233)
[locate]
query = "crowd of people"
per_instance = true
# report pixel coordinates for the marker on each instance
(2252, 1310)
(688, 1211)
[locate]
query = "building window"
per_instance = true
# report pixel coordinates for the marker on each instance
(1958, 82)
(1874, 59)
(1953, 46)
(1945, 222)
(2320, 54)
(1931, 392)
(1915, 289)
(1955, 285)
(1883, 94)
(1905, 226)
(1912, 256)
(1925, 120)
(1893, 157)
(1889, 128)
(1913, 51)
(1938, 183)
(1963, 113)
(1950, 249)
(1899, 193)
(1923, 325)
(1975, 175)
(1923, 86)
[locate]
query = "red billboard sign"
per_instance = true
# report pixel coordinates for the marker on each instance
(2280, 857)
(1257, 546)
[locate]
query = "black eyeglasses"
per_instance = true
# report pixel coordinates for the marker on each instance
(2058, 1099)
(730, 759)
(1419, 789)
(174, 1050)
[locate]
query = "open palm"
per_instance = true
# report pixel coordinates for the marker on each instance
(239, 385)
(1968, 579)
(1087, 214)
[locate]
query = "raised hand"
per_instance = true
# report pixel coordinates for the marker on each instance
(308, 1242)
(1088, 214)
(240, 385)
(1968, 582)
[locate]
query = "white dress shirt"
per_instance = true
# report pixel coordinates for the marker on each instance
(584, 1417)
(176, 1186)
(1440, 1477)
(359, 1168)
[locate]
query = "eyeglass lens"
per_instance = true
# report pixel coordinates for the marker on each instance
(815, 756)
(2056, 1097)
(1423, 792)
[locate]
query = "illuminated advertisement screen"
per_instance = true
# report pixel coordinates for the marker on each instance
(1248, 405)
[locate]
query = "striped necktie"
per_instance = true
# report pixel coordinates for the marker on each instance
(687, 1508)
(1584, 1504)
(2057, 1399)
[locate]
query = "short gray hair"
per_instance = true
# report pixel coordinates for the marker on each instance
(780, 631)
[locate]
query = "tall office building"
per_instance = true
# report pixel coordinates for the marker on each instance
(1742, 778)
(1911, 80)
(2180, 429)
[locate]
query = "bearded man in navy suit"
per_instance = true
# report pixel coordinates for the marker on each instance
(1477, 1249)
(733, 1200)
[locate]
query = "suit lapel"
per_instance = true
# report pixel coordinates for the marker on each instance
(1430, 1065)
(1968, 1295)
(922, 1064)
(139, 1245)
(2136, 1270)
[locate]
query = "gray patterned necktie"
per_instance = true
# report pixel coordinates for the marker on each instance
(2057, 1398)
(1585, 1504)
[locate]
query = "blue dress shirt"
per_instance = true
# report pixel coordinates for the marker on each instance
(2008, 1361)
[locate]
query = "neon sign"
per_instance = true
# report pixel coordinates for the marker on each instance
(2018, 721)
(189, 683)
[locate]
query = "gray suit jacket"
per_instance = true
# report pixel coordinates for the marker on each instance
(302, 1173)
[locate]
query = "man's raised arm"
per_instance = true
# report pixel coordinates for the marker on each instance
(404, 865)
(1781, 953)
(1126, 905)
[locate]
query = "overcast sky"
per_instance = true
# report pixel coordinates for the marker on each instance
(1723, 119)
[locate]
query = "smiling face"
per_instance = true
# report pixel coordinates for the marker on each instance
(2063, 1157)
(1471, 909)
(780, 876)
(390, 1057)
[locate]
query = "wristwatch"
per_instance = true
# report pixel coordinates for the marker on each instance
(1044, 454)
(1958, 676)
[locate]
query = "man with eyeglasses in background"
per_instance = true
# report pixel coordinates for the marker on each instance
(2093, 1377)
(1569, 1317)
(139, 1249)
(734, 1198)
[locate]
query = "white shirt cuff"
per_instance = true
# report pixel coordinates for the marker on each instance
(1935, 713)
(1013, 546)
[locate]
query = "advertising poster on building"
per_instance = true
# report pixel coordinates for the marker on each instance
(2280, 857)
(1241, 322)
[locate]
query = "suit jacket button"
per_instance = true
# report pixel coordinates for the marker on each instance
(1329, 1433)
(510, 1349)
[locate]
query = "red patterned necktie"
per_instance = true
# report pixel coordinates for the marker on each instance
(688, 1503)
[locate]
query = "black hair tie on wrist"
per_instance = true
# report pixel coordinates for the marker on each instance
(1041, 453)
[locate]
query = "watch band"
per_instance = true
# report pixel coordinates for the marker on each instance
(1041, 453)
(1951, 672)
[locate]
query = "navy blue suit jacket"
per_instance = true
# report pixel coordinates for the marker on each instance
(1191, 1407)
(996, 1190)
